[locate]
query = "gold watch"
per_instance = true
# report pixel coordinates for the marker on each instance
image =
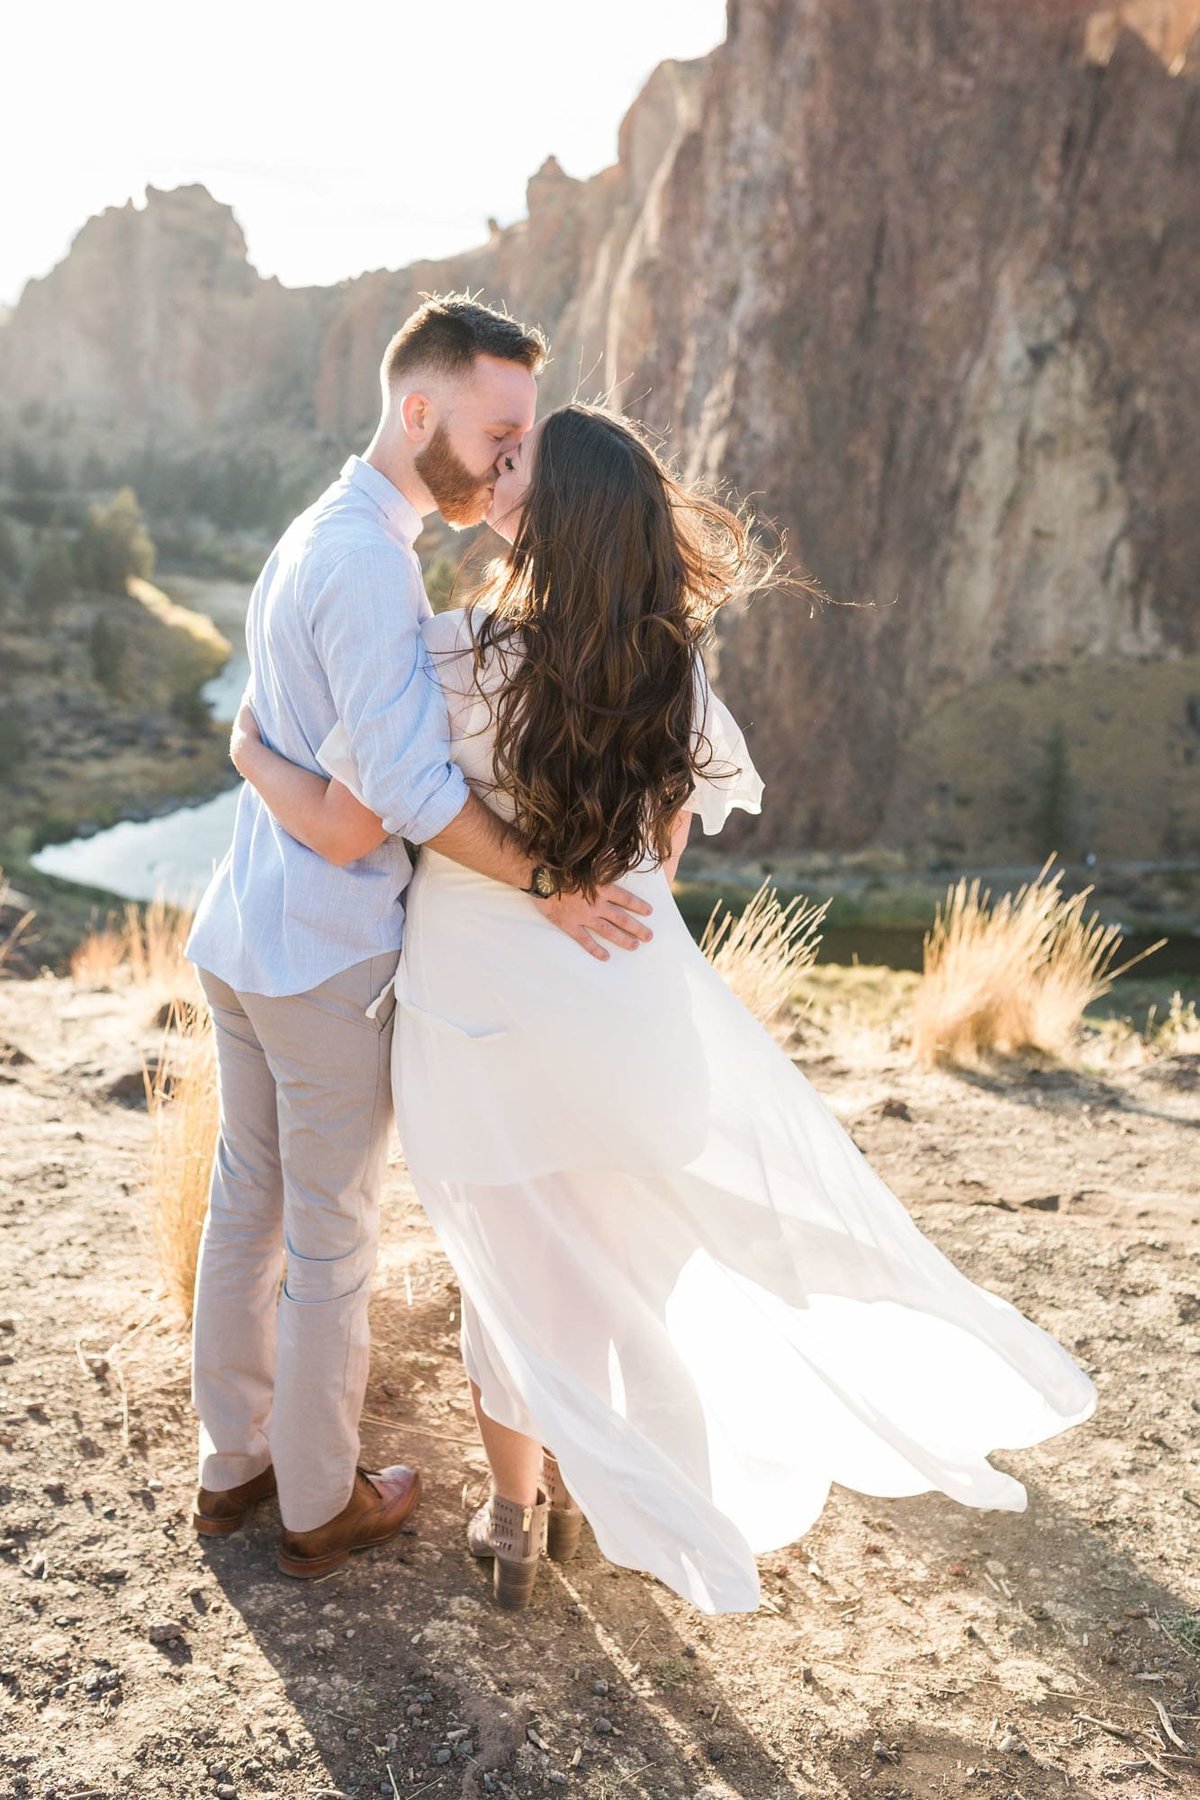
(543, 883)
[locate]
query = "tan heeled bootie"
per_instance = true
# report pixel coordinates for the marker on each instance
(565, 1526)
(514, 1536)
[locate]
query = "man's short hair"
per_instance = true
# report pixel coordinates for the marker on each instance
(448, 331)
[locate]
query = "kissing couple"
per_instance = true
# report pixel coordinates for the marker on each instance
(689, 1305)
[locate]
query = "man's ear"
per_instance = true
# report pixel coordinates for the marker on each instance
(416, 417)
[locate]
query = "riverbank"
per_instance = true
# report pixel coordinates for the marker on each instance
(886, 890)
(107, 718)
(63, 912)
(881, 908)
(863, 982)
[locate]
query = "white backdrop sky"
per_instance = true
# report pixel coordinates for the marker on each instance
(345, 137)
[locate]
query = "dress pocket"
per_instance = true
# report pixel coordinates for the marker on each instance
(456, 1028)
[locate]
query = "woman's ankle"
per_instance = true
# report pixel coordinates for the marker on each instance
(521, 1494)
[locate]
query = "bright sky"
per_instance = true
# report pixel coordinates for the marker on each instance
(348, 137)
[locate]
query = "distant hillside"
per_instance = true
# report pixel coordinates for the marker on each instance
(102, 715)
(922, 280)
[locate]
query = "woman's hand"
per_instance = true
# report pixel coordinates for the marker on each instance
(243, 737)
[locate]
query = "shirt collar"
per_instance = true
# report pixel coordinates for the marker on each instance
(399, 512)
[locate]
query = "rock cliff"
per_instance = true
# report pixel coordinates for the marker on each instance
(921, 280)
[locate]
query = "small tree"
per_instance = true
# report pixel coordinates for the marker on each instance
(10, 564)
(95, 472)
(114, 544)
(1054, 821)
(106, 647)
(14, 745)
(51, 577)
(25, 473)
(10, 556)
(192, 710)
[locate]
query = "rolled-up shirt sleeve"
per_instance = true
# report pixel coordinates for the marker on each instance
(366, 623)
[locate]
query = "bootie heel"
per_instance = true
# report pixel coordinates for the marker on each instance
(512, 1583)
(514, 1536)
(565, 1525)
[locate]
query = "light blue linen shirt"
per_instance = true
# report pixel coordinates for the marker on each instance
(333, 633)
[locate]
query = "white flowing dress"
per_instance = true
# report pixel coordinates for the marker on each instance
(677, 1270)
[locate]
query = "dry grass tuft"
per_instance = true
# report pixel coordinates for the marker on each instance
(147, 942)
(10, 935)
(1014, 976)
(183, 1111)
(761, 953)
(100, 956)
(156, 935)
(1178, 1033)
(857, 1012)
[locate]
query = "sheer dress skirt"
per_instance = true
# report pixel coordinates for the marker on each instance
(677, 1270)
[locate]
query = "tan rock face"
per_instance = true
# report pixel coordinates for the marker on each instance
(929, 295)
(920, 280)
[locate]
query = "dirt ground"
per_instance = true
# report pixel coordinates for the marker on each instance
(904, 1648)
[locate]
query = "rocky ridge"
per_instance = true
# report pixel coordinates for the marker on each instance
(921, 283)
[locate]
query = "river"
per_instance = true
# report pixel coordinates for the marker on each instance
(174, 855)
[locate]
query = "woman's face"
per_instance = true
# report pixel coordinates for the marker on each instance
(514, 471)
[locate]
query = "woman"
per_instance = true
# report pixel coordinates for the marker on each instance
(678, 1273)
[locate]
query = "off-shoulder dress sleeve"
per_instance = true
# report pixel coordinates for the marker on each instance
(727, 776)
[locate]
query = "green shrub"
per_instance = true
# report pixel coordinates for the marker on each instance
(234, 492)
(191, 709)
(95, 473)
(40, 491)
(51, 577)
(1054, 821)
(10, 556)
(14, 746)
(25, 473)
(114, 544)
(106, 648)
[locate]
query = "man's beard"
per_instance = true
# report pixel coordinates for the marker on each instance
(461, 498)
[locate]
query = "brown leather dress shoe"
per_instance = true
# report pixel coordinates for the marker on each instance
(222, 1510)
(376, 1511)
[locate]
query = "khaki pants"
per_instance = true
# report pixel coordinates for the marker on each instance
(279, 1374)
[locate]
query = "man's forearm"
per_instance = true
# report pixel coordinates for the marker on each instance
(480, 839)
(319, 813)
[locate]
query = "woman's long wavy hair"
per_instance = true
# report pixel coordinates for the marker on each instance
(609, 591)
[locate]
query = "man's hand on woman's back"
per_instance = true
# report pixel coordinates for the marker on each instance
(613, 917)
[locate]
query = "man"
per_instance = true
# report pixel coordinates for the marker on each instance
(296, 954)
